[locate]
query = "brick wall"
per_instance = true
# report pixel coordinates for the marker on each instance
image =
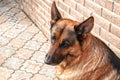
(105, 12)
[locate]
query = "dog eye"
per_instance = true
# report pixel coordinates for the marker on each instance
(65, 44)
(53, 38)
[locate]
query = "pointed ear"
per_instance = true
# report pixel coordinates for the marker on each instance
(85, 27)
(55, 14)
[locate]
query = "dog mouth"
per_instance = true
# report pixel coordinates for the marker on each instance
(53, 60)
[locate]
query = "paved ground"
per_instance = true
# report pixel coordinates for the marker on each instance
(22, 46)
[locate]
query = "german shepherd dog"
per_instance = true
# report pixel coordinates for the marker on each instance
(76, 53)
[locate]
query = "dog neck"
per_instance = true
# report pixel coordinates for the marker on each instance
(91, 61)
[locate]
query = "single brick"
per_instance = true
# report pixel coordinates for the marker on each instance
(115, 30)
(81, 1)
(93, 6)
(116, 8)
(105, 3)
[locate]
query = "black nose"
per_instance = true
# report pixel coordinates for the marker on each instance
(48, 60)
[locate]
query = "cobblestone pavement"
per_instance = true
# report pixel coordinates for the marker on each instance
(22, 46)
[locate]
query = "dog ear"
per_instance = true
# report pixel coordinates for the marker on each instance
(55, 14)
(85, 27)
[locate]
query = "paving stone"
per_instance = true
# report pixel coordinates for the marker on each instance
(31, 66)
(32, 45)
(21, 75)
(5, 73)
(13, 63)
(39, 56)
(20, 15)
(22, 46)
(18, 28)
(25, 36)
(24, 53)
(40, 37)
(1, 12)
(32, 29)
(9, 14)
(7, 51)
(15, 10)
(17, 43)
(10, 34)
(40, 77)
(55, 78)
(3, 3)
(3, 9)
(4, 27)
(2, 59)
(48, 71)
(3, 19)
(25, 22)
(13, 20)
(45, 47)
(11, 4)
(4, 40)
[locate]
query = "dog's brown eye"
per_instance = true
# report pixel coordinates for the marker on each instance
(53, 38)
(71, 55)
(65, 44)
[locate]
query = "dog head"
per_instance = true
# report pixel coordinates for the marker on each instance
(66, 37)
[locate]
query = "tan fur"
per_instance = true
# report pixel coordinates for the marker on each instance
(87, 59)
(88, 66)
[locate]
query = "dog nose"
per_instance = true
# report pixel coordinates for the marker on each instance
(47, 60)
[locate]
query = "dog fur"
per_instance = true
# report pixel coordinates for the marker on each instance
(77, 54)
